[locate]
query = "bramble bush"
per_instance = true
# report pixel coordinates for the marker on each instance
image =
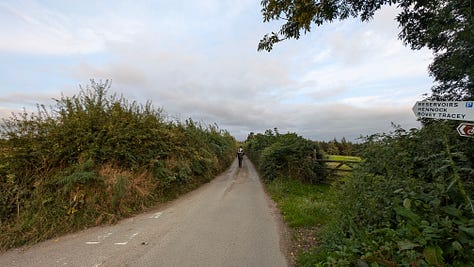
(408, 204)
(94, 158)
(286, 156)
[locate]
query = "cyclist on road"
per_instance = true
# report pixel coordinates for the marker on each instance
(240, 156)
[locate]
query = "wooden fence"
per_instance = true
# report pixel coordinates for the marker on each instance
(335, 166)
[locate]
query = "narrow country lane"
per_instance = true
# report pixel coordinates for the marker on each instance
(228, 222)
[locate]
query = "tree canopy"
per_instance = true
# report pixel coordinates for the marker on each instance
(444, 26)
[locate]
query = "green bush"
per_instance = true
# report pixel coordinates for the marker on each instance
(408, 204)
(285, 155)
(94, 158)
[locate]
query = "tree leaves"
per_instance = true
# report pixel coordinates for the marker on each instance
(444, 26)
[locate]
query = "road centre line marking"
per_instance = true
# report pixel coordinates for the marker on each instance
(126, 242)
(106, 235)
(99, 238)
(156, 215)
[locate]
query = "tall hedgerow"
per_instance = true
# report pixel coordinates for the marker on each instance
(409, 203)
(286, 156)
(94, 158)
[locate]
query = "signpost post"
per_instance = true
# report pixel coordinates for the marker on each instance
(448, 110)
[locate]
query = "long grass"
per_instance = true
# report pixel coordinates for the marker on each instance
(306, 209)
(302, 205)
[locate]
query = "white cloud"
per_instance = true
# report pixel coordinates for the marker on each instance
(365, 62)
(199, 60)
(34, 28)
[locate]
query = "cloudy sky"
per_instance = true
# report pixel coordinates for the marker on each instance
(199, 60)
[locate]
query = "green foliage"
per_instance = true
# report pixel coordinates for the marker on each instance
(94, 158)
(447, 28)
(80, 174)
(300, 16)
(408, 204)
(119, 189)
(285, 155)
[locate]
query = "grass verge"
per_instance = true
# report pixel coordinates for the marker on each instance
(305, 209)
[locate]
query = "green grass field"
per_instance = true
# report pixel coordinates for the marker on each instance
(336, 160)
(344, 158)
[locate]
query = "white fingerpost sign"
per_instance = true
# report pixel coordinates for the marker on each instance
(445, 110)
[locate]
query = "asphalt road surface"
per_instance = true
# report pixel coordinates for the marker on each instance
(227, 222)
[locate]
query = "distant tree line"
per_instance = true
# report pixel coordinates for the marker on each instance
(343, 147)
